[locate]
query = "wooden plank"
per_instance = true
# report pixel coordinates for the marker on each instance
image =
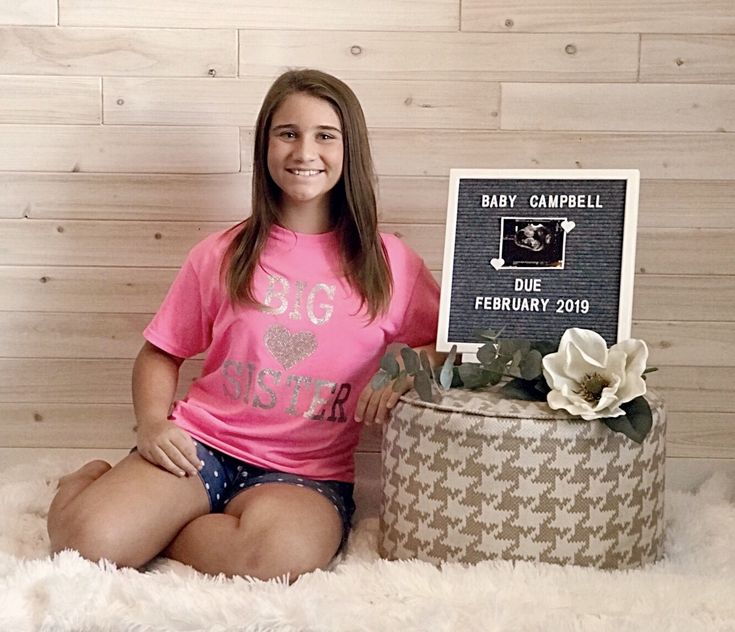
(105, 335)
(110, 426)
(690, 156)
(602, 16)
(403, 104)
(210, 197)
(80, 289)
(686, 204)
(226, 197)
(155, 101)
(429, 104)
(119, 149)
(688, 474)
(71, 335)
(67, 425)
(688, 58)
(157, 244)
(412, 199)
(109, 52)
(97, 381)
(693, 344)
(134, 290)
(701, 435)
(76, 381)
(29, 12)
(52, 100)
(165, 244)
(618, 107)
(369, 15)
(680, 251)
(442, 56)
(684, 298)
(83, 243)
(91, 426)
(695, 389)
(57, 461)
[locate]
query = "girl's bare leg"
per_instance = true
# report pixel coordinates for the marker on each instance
(267, 531)
(71, 485)
(126, 514)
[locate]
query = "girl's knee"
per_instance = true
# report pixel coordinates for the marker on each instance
(95, 537)
(274, 553)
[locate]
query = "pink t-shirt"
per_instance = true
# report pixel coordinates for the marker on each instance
(280, 384)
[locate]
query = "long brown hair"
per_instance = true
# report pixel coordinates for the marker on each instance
(353, 207)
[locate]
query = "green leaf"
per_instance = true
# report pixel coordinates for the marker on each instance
(410, 360)
(471, 375)
(380, 380)
(487, 334)
(390, 365)
(422, 384)
(522, 389)
(401, 383)
(637, 421)
(515, 361)
(447, 370)
(544, 347)
(491, 377)
(500, 365)
(530, 365)
(425, 362)
(541, 386)
(510, 345)
(487, 353)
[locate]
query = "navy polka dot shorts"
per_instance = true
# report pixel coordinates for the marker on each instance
(225, 476)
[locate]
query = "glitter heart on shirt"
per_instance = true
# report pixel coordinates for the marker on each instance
(289, 348)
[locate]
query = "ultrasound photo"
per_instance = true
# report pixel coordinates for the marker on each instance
(532, 242)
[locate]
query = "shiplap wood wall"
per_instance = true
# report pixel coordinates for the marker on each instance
(126, 137)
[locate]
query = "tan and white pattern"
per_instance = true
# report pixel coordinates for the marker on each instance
(478, 476)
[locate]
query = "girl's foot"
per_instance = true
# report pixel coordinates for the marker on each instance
(88, 473)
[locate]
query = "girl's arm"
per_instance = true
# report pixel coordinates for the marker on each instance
(155, 377)
(375, 406)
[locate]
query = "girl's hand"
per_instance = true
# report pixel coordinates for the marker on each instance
(374, 406)
(169, 447)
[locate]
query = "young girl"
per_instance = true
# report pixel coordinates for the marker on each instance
(251, 473)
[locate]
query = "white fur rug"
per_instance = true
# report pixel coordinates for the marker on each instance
(692, 589)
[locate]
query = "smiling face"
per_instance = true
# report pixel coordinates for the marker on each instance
(305, 157)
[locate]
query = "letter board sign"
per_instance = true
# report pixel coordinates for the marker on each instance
(534, 252)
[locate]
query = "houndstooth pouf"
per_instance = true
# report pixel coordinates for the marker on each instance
(478, 476)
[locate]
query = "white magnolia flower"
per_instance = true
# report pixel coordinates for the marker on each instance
(591, 381)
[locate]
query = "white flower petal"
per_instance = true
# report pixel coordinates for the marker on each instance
(578, 366)
(608, 397)
(632, 384)
(590, 344)
(557, 401)
(554, 368)
(616, 364)
(632, 388)
(601, 414)
(636, 352)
